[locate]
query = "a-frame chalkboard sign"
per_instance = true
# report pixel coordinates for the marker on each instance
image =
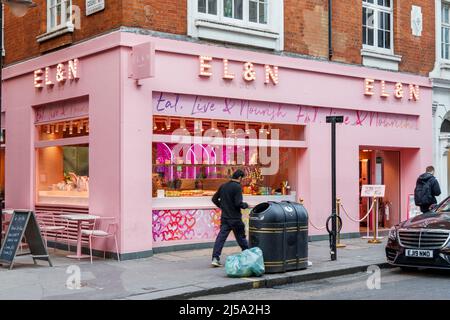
(23, 223)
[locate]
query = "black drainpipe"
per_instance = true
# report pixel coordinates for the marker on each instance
(330, 45)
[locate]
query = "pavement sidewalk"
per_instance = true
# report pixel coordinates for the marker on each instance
(174, 275)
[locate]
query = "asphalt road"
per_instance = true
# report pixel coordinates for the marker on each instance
(393, 284)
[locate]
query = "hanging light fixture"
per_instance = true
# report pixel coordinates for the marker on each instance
(168, 123)
(155, 125)
(247, 128)
(262, 129)
(57, 128)
(231, 126)
(64, 127)
(198, 126)
(183, 124)
(71, 127)
(87, 127)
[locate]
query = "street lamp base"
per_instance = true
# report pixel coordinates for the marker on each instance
(374, 241)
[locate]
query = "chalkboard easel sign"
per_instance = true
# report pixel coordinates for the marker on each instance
(23, 223)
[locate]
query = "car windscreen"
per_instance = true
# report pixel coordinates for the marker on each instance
(444, 206)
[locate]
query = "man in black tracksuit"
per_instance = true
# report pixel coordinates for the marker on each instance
(433, 188)
(229, 199)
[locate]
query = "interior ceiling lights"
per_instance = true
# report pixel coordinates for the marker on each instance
(57, 127)
(196, 125)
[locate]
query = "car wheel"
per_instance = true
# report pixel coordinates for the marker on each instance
(409, 269)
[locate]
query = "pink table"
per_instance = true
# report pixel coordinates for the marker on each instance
(79, 218)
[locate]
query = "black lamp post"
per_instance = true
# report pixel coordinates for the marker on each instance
(19, 8)
(333, 232)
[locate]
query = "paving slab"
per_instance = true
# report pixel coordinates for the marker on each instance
(169, 275)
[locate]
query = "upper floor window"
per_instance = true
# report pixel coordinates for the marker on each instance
(233, 9)
(258, 11)
(245, 10)
(255, 22)
(445, 31)
(207, 6)
(377, 25)
(59, 14)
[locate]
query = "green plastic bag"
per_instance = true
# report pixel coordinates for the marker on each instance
(248, 263)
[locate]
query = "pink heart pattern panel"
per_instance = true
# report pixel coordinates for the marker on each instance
(171, 225)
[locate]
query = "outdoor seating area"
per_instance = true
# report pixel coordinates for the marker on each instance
(70, 229)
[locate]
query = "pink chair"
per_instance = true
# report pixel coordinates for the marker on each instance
(111, 231)
(50, 223)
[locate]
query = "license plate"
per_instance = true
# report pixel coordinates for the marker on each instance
(419, 253)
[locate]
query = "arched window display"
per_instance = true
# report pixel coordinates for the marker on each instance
(62, 157)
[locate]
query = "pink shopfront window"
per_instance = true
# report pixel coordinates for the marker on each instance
(62, 155)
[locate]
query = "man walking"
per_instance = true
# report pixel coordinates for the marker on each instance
(426, 191)
(229, 199)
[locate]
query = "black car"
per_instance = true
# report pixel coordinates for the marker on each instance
(422, 241)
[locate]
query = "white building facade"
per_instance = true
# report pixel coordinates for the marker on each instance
(440, 78)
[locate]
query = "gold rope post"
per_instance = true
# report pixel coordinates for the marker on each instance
(374, 222)
(338, 212)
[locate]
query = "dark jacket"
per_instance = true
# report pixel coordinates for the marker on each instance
(229, 199)
(434, 185)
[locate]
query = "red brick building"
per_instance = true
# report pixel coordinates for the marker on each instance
(298, 27)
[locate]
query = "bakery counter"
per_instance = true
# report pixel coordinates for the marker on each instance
(169, 203)
(64, 198)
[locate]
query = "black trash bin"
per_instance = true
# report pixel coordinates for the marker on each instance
(280, 229)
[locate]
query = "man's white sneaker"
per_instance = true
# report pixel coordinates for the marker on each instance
(216, 263)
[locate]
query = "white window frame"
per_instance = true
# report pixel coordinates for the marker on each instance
(64, 21)
(248, 12)
(272, 30)
(441, 26)
(228, 19)
(244, 22)
(65, 26)
(376, 8)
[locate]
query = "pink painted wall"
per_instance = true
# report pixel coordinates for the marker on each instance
(314, 84)
(136, 159)
(100, 82)
(120, 116)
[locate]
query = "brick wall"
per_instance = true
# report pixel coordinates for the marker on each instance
(21, 33)
(165, 16)
(347, 31)
(306, 32)
(418, 53)
(305, 27)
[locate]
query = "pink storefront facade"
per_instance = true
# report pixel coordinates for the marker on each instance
(386, 115)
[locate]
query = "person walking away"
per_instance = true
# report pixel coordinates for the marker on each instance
(230, 200)
(426, 191)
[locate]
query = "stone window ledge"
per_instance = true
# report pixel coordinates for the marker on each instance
(377, 59)
(55, 33)
(237, 34)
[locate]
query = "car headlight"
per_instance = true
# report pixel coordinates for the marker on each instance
(393, 233)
